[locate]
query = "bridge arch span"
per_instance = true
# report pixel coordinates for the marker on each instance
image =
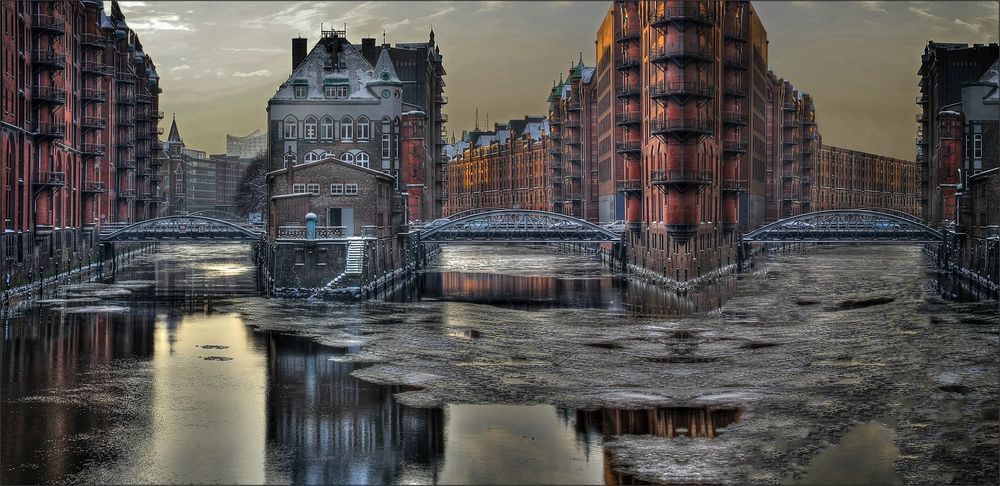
(519, 226)
(182, 228)
(846, 226)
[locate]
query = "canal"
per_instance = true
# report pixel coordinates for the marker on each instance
(505, 365)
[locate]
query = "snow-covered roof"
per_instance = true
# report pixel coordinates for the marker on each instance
(587, 73)
(332, 159)
(385, 72)
(318, 69)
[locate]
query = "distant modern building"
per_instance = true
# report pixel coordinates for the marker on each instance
(945, 68)
(80, 113)
(247, 146)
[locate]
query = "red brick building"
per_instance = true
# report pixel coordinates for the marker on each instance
(80, 113)
(412, 158)
(849, 179)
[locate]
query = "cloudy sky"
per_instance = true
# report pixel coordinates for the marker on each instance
(220, 61)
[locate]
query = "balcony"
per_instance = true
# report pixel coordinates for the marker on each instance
(790, 141)
(735, 89)
(573, 174)
(734, 118)
(48, 59)
(556, 151)
(736, 61)
(125, 164)
(736, 33)
(734, 185)
(143, 99)
(572, 140)
(555, 165)
(735, 146)
(689, 11)
(808, 121)
(628, 146)
(95, 187)
(921, 141)
(806, 164)
(441, 99)
(90, 95)
(680, 178)
(51, 179)
(789, 174)
(156, 115)
(93, 40)
(142, 153)
(125, 100)
(125, 78)
(626, 34)
(574, 106)
(789, 107)
(51, 129)
(628, 186)
(806, 180)
(48, 94)
(555, 123)
(48, 23)
(789, 159)
(126, 194)
(626, 62)
(661, 54)
(628, 118)
(681, 126)
(664, 89)
(125, 122)
(96, 68)
(92, 149)
(809, 136)
(628, 91)
(93, 123)
(791, 124)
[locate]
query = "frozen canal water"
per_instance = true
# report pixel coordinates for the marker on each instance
(505, 365)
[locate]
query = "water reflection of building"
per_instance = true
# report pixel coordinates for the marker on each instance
(660, 422)
(48, 358)
(333, 428)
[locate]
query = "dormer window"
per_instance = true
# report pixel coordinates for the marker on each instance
(337, 88)
(301, 88)
(385, 75)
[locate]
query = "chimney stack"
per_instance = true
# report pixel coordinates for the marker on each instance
(298, 51)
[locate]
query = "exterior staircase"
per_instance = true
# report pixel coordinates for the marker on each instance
(355, 256)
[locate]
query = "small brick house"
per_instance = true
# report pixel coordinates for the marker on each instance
(339, 193)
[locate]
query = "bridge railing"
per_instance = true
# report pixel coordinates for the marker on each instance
(297, 232)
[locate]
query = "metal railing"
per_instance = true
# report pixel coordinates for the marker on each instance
(692, 50)
(48, 94)
(298, 232)
(680, 177)
(681, 88)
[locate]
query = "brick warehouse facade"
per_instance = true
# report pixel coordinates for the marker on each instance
(681, 130)
(848, 179)
(80, 114)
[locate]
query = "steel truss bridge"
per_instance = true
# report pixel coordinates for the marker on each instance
(846, 226)
(518, 226)
(183, 229)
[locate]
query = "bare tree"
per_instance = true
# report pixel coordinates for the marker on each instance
(252, 195)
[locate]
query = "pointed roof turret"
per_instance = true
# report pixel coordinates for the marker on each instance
(385, 73)
(175, 136)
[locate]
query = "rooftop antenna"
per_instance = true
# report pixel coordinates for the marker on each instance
(383, 37)
(477, 119)
(487, 119)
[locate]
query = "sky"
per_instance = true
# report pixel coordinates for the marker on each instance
(219, 62)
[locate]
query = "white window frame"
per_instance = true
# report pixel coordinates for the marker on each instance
(326, 129)
(346, 129)
(313, 188)
(363, 130)
(347, 157)
(311, 157)
(310, 128)
(977, 145)
(298, 188)
(291, 130)
(300, 91)
(350, 189)
(336, 189)
(386, 146)
(362, 160)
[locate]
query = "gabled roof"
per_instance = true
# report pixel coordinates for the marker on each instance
(334, 160)
(318, 68)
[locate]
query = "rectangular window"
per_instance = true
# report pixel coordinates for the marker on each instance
(330, 91)
(977, 146)
(350, 189)
(346, 131)
(328, 131)
(298, 188)
(301, 90)
(314, 188)
(341, 91)
(386, 146)
(336, 189)
(363, 131)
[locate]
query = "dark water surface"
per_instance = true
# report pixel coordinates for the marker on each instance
(154, 379)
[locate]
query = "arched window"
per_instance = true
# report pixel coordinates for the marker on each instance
(363, 129)
(291, 128)
(362, 160)
(290, 159)
(326, 128)
(312, 157)
(347, 157)
(311, 127)
(325, 155)
(346, 129)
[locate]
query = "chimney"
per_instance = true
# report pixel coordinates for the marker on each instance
(368, 48)
(298, 51)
